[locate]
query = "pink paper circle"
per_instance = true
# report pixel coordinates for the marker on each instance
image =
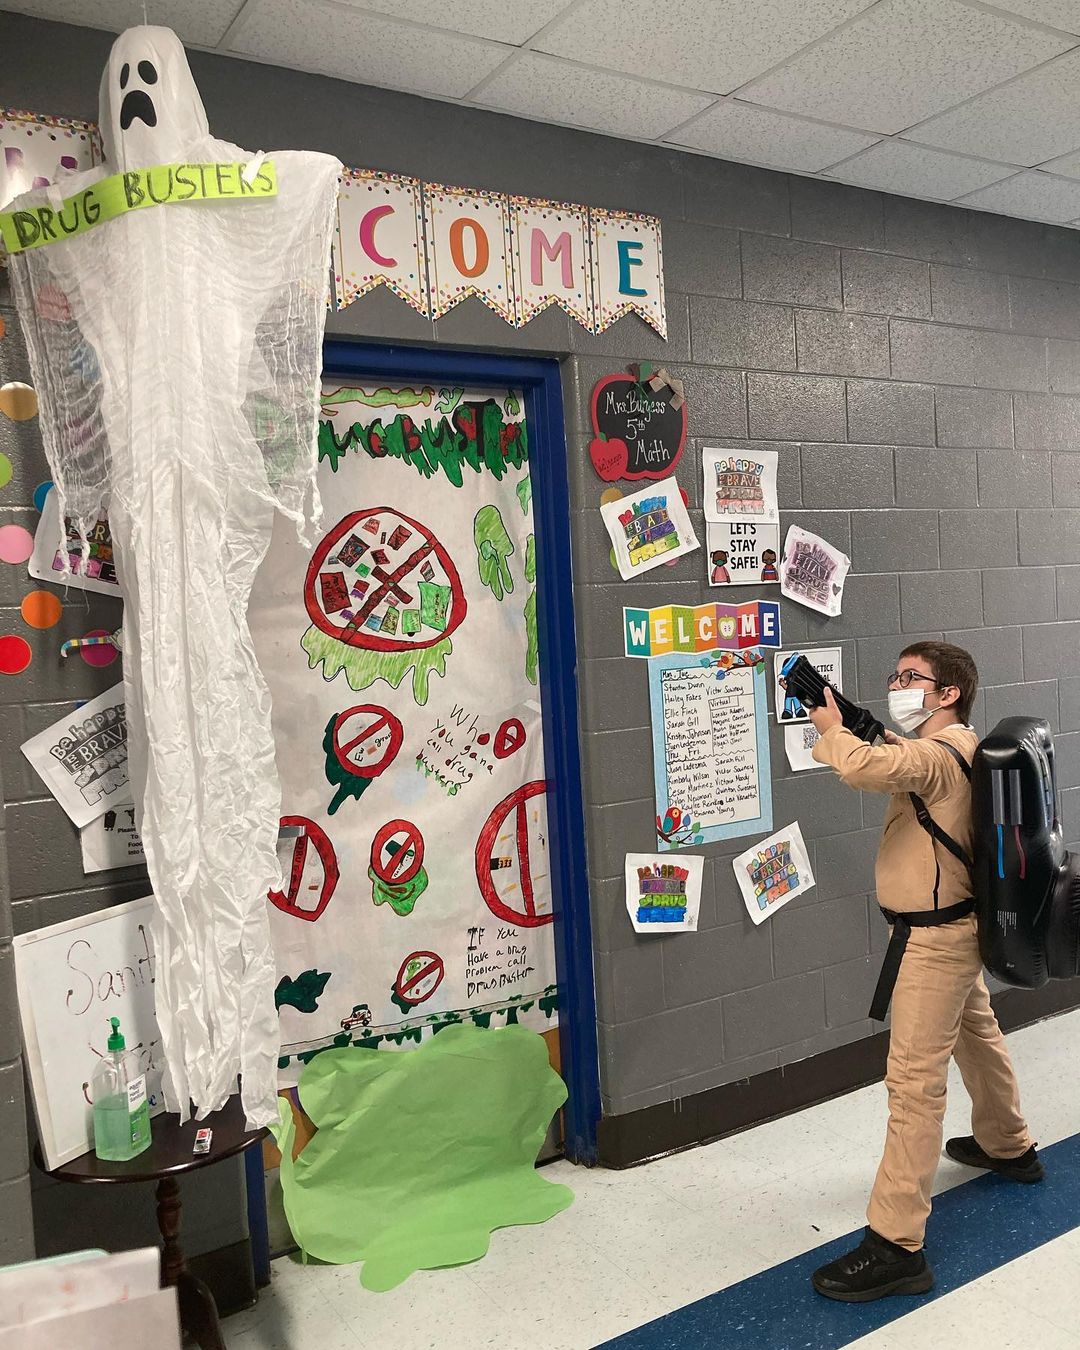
(16, 544)
(104, 655)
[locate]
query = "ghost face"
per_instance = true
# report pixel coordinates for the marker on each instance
(150, 110)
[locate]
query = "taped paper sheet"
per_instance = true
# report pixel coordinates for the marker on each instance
(773, 872)
(813, 572)
(648, 528)
(83, 758)
(827, 661)
(663, 894)
(799, 742)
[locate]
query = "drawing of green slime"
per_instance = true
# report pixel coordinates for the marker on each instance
(532, 651)
(363, 667)
(303, 993)
(400, 896)
(381, 398)
(493, 548)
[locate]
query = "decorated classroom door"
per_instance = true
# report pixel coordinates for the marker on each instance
(401, 654)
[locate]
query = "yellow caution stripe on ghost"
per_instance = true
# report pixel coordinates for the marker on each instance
(159, 185)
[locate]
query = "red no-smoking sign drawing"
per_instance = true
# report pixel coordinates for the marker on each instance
(312, 872)
(512, 858)
(366, 739)
(420, 975)
(509, 737)
(397, 852)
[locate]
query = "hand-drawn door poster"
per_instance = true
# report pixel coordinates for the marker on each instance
(401, 655)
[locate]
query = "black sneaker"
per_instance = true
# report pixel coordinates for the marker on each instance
(875, 1268)
(1027, 1168)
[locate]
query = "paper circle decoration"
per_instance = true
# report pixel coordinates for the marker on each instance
(5, 471)
(41, 609)
(41, 492)
(15, 654)
(103, 655)
(18, 401)
(16, 544)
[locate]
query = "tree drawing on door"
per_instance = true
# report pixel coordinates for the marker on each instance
(402, 657)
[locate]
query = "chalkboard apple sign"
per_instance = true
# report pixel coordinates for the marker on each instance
(636, 432)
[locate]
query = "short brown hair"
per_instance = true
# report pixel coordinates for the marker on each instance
(951, 666)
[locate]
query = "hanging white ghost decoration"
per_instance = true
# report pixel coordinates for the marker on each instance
(176, 352)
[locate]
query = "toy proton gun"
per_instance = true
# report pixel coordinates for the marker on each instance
(800, 678)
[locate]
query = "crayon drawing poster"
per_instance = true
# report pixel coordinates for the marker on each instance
(663, 894)
(813, 572)
(739, 483)
(710, 747)
(648, 528)
(825, 660)
(402, 657)
(773, 872)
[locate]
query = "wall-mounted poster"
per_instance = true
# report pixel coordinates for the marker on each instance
(649, 528)
(663, 894)
(742, 552)
(111, 841)
(773, 872)
(47, 560)
(72, 977)
(827, 661)
(402, 657)
(82, 758)
(710, 747)
(739, 482)
(813, 572)
(701, 628)
(638, 432)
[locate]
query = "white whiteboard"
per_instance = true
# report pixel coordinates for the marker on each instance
(72, 977)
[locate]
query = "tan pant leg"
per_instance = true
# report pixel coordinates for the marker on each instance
(983, 1060)
(936, 976)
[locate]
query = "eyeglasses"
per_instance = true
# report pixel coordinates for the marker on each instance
(904, 677)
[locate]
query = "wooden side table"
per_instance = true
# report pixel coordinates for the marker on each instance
(168, 1156)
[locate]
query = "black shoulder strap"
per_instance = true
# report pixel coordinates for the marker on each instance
(936, 833)
(958, 756)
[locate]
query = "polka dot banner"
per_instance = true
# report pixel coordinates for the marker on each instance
(16, 544)
(15, 654)
(41, 609)
(41, 492)
(18, 401)
(104, 655)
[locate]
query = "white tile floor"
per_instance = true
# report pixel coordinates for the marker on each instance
(731, 1209)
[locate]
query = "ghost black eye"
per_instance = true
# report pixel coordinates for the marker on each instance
(125, 71)
(147, 73)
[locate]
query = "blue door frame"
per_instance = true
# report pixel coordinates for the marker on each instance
(539, 379)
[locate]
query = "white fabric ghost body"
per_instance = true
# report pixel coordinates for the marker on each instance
(176, 351)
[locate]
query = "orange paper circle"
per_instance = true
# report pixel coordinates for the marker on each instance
(610, 494)
(41, 609)
(15, 654)
(3, 326)
(18, 401)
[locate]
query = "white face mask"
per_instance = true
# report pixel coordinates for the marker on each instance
(906, 708)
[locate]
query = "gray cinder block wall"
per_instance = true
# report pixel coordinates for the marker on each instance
(918, 369)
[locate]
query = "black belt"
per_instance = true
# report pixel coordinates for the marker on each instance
(902, 926)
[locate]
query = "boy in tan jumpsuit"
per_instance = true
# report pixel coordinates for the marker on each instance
(940, 1004)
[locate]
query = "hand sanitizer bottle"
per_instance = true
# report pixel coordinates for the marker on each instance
(121, 1111)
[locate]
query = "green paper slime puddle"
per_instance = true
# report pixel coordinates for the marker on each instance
(420, 1156)
(363, 667)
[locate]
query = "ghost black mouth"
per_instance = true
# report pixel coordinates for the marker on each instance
(137, 103)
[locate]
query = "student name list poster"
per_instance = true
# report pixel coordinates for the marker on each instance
(710, 747)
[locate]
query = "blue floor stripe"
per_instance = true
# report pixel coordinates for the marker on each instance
(975, 1227)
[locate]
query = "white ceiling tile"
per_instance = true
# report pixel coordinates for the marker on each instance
(1058, 13)
(1029, 121)
(1033, 195)
(199, 21)
(760, 136)
(365, 48)
(715, 45)
(512, 21)
(1069, 165)
(903, 61)
(595, 100)
(911, 170)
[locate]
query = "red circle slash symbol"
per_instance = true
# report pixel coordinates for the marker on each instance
(511, 858)
(314, 838)
(367, 739)
(509, 737)
(397, 852)
(420, 975)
